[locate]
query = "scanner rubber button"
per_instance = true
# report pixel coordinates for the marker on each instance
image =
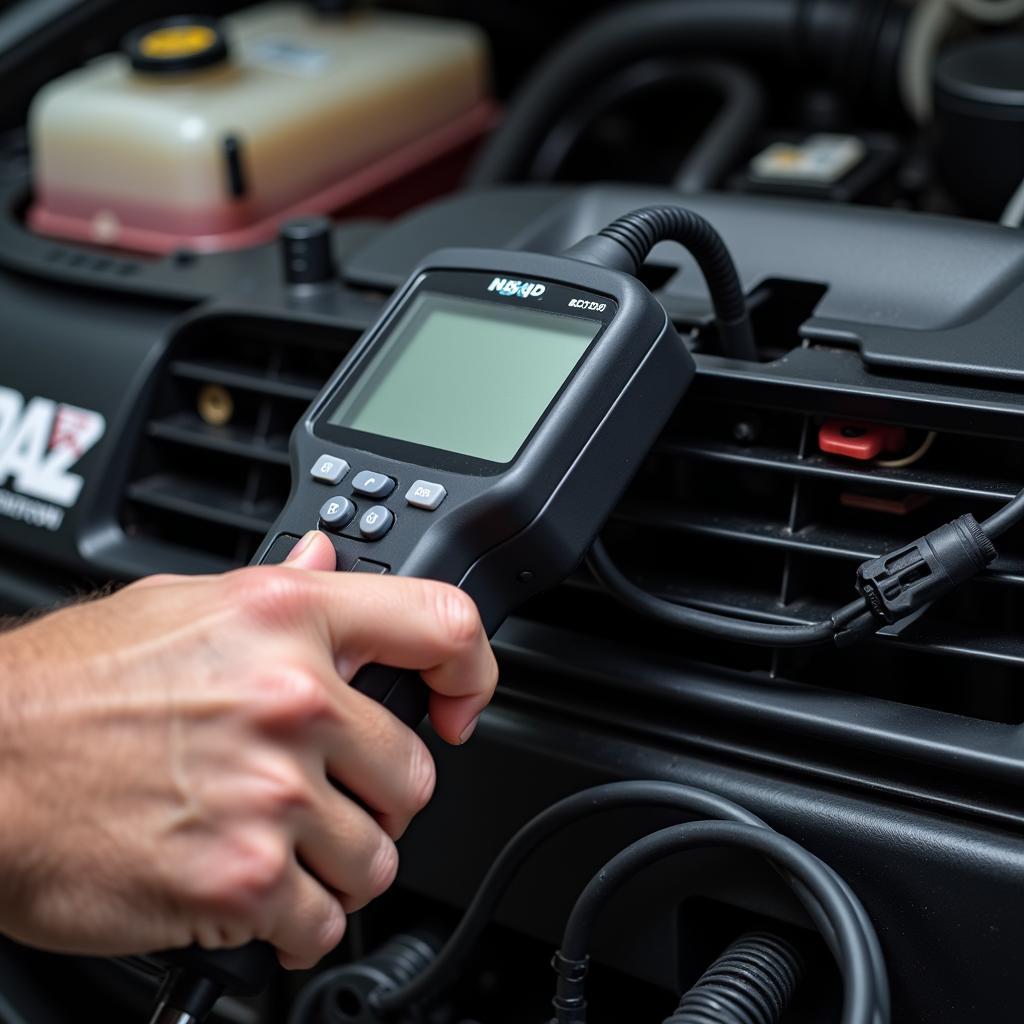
(373, 485)
(329, 470)
(365, 565)
(280, 549)
(376, 522)
(336, 513)
(424, 494)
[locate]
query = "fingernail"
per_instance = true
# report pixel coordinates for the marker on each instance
(302, 546)
(469, 730)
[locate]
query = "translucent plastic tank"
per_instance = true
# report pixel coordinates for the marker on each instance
(207, 134)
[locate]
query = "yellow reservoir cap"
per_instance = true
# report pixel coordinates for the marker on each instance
(177, 41)
(176, 44)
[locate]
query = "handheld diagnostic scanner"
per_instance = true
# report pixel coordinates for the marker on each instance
(480, 434)
(482, 431)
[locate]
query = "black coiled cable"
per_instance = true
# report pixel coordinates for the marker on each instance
(638, 232)
(752, 982)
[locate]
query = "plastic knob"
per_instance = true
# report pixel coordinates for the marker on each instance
(306, 251)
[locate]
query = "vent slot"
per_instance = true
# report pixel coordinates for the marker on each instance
(737, 510)
(212, 469)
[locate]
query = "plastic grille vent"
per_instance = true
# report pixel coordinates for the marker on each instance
(212, 470)
(737, 508)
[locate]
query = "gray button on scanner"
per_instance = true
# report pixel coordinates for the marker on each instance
(373, 485)
(365, 565)
(336, 513)
(329, 470)
(375, 522)
(424, 494)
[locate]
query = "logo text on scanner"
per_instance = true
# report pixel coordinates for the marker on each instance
(517, 289)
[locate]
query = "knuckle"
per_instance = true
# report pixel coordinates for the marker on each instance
(292, 695)
(383, 867)
(422, 776)
(248, 875)
(261, 870)
(266, 593)
(330, 931)
(458, 617)
(285, 787)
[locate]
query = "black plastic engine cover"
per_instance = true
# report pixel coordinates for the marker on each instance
(919, 809)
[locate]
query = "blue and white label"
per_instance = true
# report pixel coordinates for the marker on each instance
(289, 55)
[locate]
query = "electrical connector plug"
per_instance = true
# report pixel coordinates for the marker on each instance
(899, 583)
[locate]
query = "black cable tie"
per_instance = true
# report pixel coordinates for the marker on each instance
(570, 1001)
(862, 626)
(572, 971)
(897, 584)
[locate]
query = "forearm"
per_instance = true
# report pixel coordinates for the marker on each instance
(15, 662)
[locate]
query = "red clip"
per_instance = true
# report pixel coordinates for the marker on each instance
(864, 441)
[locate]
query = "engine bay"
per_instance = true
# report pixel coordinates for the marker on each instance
(856, 158)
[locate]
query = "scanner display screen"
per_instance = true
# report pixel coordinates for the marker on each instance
(465, 375)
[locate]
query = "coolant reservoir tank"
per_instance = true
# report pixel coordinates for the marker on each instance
(206, 134)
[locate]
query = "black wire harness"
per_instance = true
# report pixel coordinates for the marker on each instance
(892, 587)
(819, 891)
(829, 901)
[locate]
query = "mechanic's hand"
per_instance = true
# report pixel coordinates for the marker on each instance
(165, 754)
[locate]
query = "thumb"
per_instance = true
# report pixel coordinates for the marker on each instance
(314, 551)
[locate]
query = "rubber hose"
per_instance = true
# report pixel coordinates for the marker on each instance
(741, 103)
(726, 137)
(628, 34)
(752, 982)
(855, 44)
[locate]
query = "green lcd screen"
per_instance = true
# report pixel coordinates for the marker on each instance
(465, 375)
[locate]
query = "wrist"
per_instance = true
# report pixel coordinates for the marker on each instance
(15, 681)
